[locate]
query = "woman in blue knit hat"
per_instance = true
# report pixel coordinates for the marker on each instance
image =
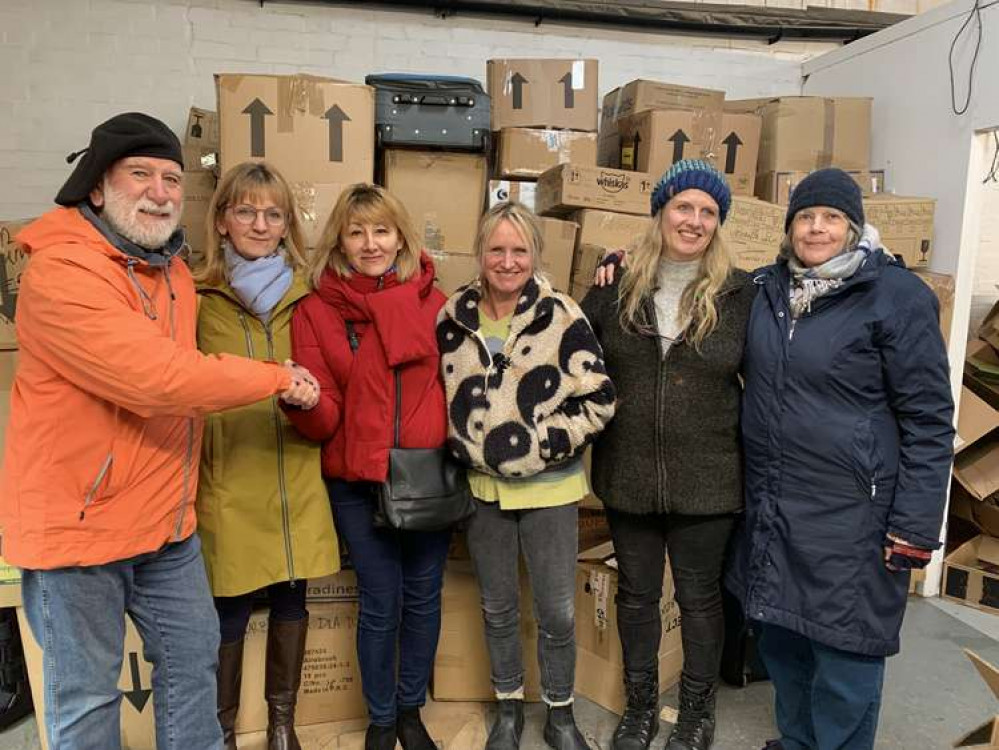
(668, 467)
(848, 437)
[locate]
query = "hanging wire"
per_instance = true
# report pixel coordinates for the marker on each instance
(976, 15)
(993, 175)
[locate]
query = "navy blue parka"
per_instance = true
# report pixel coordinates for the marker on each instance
(847, 434)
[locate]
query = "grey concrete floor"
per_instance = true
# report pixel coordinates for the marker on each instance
(932, 693)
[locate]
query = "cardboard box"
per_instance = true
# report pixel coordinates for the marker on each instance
(599, 663)
(443, 192)
(811, 132)
(976, 446)
(640, 95)
(981, 371)
(10, 585)
(318, 132)
(985, 736)
(461, 668)
(540, 93)
(776, 187)
(754, 231)
(989, 328)
(600, 231)
(593, 528)
(507, 190)
(524, 153)
(556, 255)
(201, 140)
(13, 261)
(653, 140)
(943, 287)
(568, 187)
(454, 271)
(739, 150)
(331, 681)
(971, 574)
(905, 225)
(199, 187)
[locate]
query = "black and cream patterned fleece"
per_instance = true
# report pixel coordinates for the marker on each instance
(533, 405)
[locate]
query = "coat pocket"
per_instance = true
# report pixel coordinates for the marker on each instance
(866, 463)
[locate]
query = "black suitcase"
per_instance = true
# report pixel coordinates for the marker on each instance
(422, 111)
(741, 664)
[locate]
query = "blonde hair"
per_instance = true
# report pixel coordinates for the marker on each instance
(697, 303)
(365, 204)
(523, 220)
(252, 181)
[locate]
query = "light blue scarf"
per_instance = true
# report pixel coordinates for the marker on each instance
(260, 284)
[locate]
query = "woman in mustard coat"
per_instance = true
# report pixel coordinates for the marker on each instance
(263, 513)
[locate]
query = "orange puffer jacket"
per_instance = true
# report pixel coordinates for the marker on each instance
(107, 403)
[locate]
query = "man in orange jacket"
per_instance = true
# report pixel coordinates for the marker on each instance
(100, 472)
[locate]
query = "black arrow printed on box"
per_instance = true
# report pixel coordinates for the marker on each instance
(136, 696)
(733, 143)
(257, 110)
(570, 95)
(337, 117)
(518, 81)
(678, 139)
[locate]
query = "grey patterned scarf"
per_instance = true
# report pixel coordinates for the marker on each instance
(810, 283)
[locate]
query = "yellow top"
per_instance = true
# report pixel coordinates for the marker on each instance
(561, 486)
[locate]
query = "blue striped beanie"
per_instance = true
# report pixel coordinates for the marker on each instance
(697, 174)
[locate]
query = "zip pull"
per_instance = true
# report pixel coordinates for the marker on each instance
(874, 490)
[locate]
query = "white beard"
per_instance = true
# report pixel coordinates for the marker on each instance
(122, 215)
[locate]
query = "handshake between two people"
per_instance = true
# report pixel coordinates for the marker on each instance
(304, 389)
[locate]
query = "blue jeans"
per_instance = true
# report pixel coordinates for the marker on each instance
(548, 537)
(825, 698)
(78, 617)
(399, 578)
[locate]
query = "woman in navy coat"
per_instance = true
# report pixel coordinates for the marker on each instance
(848, 438)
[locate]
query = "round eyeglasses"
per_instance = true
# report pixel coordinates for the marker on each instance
(244, 214)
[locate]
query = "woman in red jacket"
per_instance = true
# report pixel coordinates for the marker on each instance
(373, 309)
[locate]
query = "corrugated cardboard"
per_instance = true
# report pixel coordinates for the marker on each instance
(653, 140)
(776, 187)
(461, 667)
(199, 187)
(454, 271)
(524, 153)
(810, 132)
(556, 255)
(975, 420)
(981, 371)
(201, 140)
(989, 328)
(443, 192)
(943, 287)
(331, 681)
(507, 190)
(970, 581)
(318, 132)
(543, 93)
(985, 736)
(754, 230)
(739, 149)
(905, 225)
(13, 261)
(976, 465)
(568, 187)
(600, 231)
(640, 95)
(10, 585)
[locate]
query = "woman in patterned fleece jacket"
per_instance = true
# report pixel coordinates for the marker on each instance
(526, 392)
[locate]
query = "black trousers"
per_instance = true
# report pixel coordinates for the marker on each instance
(287, 600)
(696, 547)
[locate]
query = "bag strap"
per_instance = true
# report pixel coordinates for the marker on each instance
(354, 343)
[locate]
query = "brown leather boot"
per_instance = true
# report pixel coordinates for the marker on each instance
(285, 652)
(230, 678)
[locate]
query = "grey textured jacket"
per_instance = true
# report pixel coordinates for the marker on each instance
(673, 446)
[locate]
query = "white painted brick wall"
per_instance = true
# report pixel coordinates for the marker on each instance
(69, 64)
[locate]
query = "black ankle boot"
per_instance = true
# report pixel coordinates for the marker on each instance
(379, 738)
(695, 726)
(410, 730)
(561, 732)
(509, 725)
(639, 724)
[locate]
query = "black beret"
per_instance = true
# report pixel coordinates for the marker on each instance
(128, 134)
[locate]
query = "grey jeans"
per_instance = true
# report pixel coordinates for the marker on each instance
(548, 538)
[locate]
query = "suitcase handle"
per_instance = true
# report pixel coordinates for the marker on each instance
(440, 100)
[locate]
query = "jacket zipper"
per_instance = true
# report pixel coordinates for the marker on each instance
(108, 460)
(276, 412)
(658, 406)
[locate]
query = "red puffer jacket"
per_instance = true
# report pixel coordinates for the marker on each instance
(355, 416)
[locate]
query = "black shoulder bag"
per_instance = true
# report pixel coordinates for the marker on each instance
(426, 488)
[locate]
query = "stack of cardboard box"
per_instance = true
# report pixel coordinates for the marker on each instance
(201, 146)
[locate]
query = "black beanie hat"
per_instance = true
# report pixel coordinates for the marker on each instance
(827, 187)
(129, 134)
